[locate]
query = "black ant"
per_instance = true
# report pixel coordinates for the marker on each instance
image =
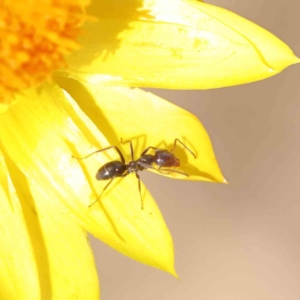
(161, 158)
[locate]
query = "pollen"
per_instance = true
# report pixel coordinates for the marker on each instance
(35, 37)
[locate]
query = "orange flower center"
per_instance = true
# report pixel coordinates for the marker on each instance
(35, 35)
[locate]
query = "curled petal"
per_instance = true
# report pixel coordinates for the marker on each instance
(182, 45)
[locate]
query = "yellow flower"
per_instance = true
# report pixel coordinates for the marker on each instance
(46, 193)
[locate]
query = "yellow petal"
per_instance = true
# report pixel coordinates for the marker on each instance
(148, 120)
(41, 133)
(178, 44)
(44, 253)
(16, 256)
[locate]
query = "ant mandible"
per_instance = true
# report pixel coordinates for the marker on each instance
(162, 158)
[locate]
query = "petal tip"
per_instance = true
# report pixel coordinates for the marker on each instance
(174, 273)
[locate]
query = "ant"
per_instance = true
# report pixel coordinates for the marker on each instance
(162, 159)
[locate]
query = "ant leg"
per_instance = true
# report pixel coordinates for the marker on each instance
(147, 149)
(161, 171)
(131, 148)
(107, 148)
(102, 192)
(177, 140)
(146, 166)
(175, 171)
(139, 184)
(99, 197)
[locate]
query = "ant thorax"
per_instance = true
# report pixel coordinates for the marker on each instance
(147, 159)
(133, 166)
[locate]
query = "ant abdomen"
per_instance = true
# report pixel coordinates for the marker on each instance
(110, 170)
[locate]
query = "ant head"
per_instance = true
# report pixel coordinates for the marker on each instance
(164, 158)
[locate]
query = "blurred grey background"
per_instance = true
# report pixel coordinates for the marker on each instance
(242, 240)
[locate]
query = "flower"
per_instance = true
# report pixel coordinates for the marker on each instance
(45, 192)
